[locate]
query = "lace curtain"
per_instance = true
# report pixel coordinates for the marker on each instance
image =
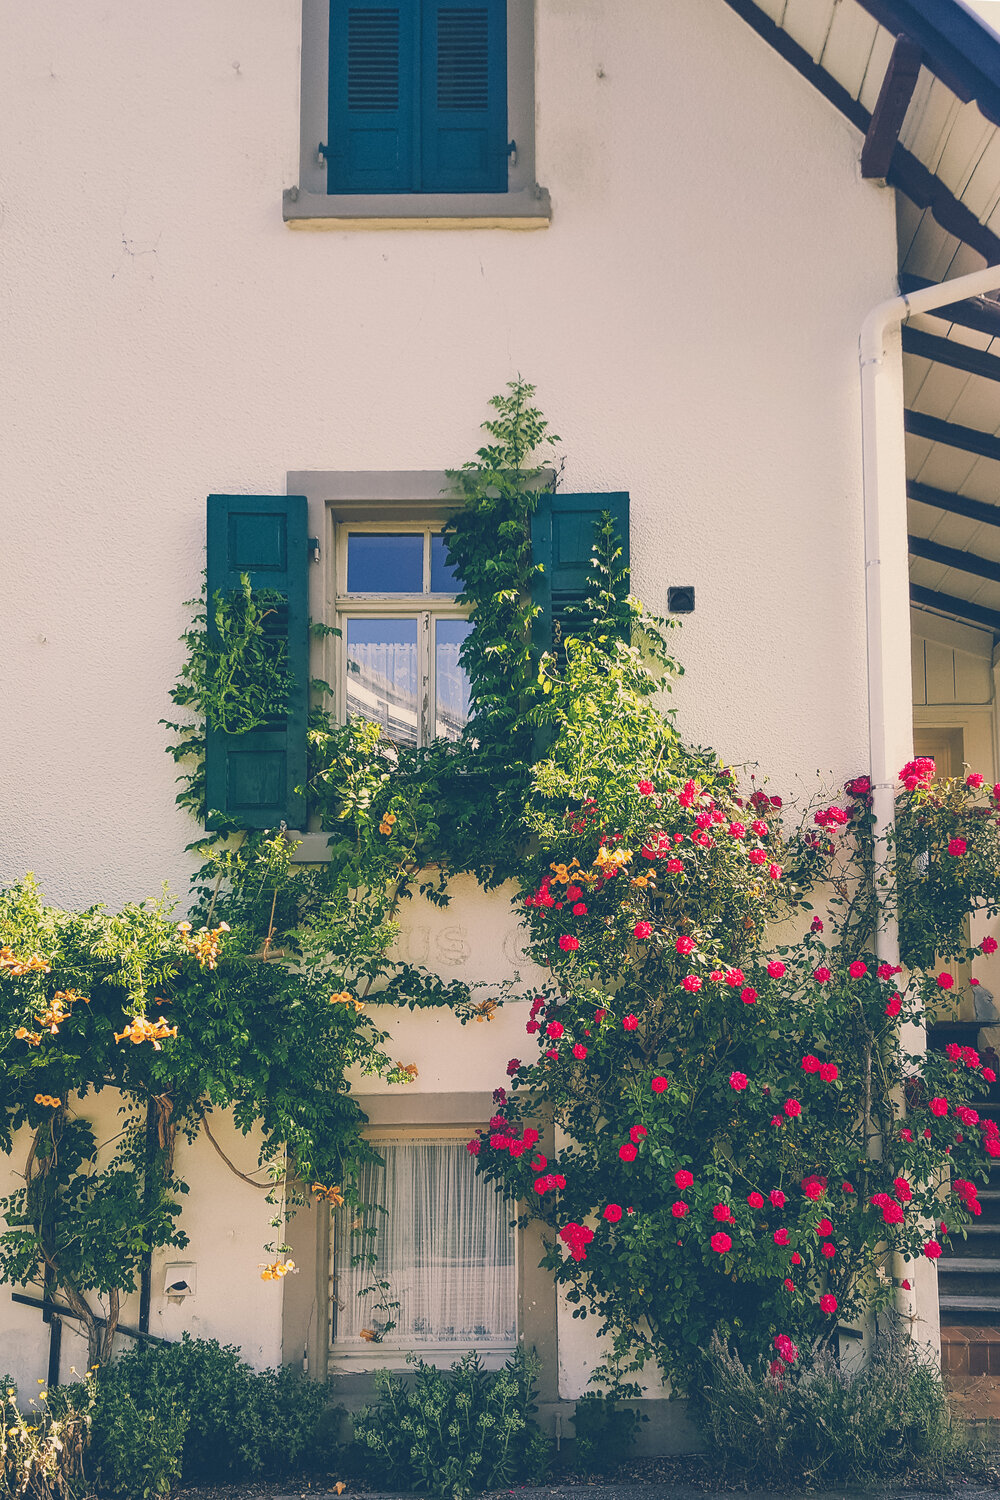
(445, 1248)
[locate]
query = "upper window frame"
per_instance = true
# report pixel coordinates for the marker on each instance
(523, 206)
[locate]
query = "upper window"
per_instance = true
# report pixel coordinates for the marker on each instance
(401, 631)
(445, 1251)
(417, 97)
(417, 113)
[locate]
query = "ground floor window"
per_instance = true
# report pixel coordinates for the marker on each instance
(446, 1248)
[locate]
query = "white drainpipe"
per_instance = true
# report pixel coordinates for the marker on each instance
(887, 603)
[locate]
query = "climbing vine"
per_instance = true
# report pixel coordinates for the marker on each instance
(729, 1155)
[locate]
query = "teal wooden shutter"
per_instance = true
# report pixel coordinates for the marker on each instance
(372, 97)
(463, 115)
(562, 540)
(251, 778)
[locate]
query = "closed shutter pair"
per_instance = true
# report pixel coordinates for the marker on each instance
(417, 97)
(255, 779)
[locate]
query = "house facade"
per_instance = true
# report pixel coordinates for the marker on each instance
(290, 247)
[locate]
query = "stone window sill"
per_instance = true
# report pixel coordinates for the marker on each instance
(529, 208)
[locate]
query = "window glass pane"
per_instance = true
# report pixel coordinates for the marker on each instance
(381, 564)
(445, 1247)
(382, 675)
(444, 579)
(451, 679)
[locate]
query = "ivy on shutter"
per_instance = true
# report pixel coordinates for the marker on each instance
(463, 116)
(562, 540)
(251, 778)
(372, 97)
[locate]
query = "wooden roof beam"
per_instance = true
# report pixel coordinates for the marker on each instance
(949, 605)
(956, 505)
(936, 430)
(954, 557)
(890, 109)
(947, 352)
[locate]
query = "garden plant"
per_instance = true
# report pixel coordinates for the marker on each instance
(720, 1117)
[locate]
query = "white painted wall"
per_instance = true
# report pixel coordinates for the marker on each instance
(690, 318)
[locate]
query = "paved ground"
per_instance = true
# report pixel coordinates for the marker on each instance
(963, 1491)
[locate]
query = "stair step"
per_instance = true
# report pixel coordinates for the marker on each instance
(969, 1265)
(953, 1302)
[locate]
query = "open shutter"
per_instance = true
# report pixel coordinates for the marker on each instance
(463, 115)
(372, 97)
(562, 540)
(251, 778)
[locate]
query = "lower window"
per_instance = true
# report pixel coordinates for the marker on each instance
(446, 1248)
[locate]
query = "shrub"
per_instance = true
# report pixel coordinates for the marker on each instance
(41, 1454)
(208, 1414)
(452, 1433)
(823, 1422)
(605, 1432)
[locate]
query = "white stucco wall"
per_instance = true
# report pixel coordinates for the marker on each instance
(690, 319)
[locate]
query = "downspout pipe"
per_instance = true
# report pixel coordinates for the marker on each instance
(887, 601)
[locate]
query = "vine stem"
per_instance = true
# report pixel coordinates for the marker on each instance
(262, 1187)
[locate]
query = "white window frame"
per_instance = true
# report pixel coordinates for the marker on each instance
(425, 607)
(392, 1354)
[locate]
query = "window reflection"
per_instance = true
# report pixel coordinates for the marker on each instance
(380, 563)
(444, 579)
(451, 680)
(383, 679)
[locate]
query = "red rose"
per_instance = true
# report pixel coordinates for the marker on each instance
(748, 995)
(822, 974)
(789, 1284)
(473, 1146)
(828, 1072)
(579, 909)
(685, 945)
(792, 1108)
(956, 848)
(513, 1066)
(629, 1023)
(737, 830)
(722, 1213)
(642, 929)
(679, 1210)
(612, 1213)
(555, 1030)
(988, 945)
(738, 1081)
(645, 788)
(637, 1133)
(675, 866)
(781, 1236)
(579, 1051)
(627, 1153)
(828, 1250)
(757, 857)
(810, 1063)
(813, 1187)
(775, 872)
(894, 1005)
(569, 944)
(735, 978)
(828, 1303)
(945, 981)
(932, 1249)
(659, 1084)
(974, 780)
(691, 983)
(683, 1179)
(824, 1228)
(721, 1243)
(858, 969)
(777, 1197)
(755, 1200)
(776, 968)
(938, 1106)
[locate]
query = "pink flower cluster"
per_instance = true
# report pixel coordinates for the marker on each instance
(576, 1238)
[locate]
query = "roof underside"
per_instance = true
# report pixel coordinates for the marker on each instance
(945, 167)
